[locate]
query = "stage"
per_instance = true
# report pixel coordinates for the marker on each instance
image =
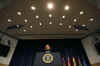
(30, 53)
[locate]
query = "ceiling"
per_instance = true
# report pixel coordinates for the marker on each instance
(45, 22)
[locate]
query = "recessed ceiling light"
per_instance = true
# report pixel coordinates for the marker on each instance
(50, 15)
(50, 22)
(37, 17)
(76, 30)
(69, 26)
(9, 20)
(81, 12)
(60, 24)
(33, 8)
(25, 20)
(83, 25)
(24, 30)
(63, 17)
(91, 19)
(19, 13)
(50, 5)
(75, 19)
(17, 26)
(66, 8)
(40, 23)
(31, 26)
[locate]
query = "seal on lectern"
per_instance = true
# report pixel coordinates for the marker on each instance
(47, 58)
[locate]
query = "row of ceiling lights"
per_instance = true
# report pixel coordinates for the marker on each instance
(50, 16)
(75, 19)
(69, 26)
(50, 6)
(60, 24)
